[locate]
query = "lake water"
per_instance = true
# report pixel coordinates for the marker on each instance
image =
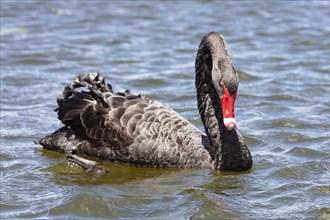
(281, 50)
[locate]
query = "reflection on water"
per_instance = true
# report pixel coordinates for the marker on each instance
(281, 53)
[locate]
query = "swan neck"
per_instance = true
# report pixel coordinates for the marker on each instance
(230, 149)
(208, 101)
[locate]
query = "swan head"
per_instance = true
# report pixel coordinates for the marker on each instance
(218, 71)
(224, 78)
(226, 87)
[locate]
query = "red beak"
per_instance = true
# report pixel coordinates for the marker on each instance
(228, 102)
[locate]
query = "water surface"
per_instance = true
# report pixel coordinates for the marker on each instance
(281, 50)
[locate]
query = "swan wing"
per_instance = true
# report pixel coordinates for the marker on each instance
(128, 128)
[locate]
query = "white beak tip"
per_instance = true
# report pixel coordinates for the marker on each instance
(230, 123)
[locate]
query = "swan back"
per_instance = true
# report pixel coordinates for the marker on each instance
(130, 128)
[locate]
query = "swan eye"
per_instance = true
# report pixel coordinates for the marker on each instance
(222, 83)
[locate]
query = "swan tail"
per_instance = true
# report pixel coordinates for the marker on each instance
(61, 140)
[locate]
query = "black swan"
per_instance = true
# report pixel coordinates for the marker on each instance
(132, 129)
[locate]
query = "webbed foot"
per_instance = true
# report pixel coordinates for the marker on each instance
(93, 167)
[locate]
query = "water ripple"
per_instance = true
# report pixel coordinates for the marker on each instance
(282, 109)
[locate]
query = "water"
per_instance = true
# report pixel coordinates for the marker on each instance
(281, 50)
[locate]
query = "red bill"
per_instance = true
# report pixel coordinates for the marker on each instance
(228, 102)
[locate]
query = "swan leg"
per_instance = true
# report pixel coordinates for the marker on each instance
(93, 167)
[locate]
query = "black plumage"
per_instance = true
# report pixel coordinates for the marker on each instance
(132, 129)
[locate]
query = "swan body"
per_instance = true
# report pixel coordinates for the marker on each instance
(132, 129)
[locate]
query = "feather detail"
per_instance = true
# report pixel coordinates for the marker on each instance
(129, 128)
